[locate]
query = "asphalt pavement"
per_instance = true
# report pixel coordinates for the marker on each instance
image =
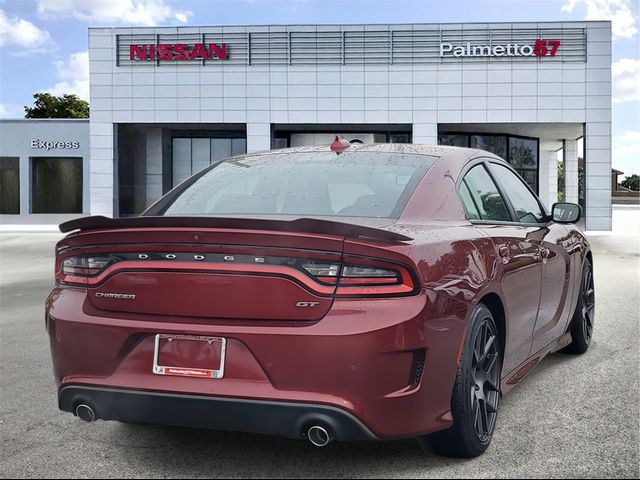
(574, 416)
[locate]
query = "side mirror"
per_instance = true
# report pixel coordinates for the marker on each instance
(566, 212)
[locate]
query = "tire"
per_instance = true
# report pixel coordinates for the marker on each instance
(478, 376)
(583, 317)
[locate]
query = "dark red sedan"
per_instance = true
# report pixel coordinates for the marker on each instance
(348, 293)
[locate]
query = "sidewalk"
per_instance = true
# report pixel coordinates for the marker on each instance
(17, 228)
(626, 219)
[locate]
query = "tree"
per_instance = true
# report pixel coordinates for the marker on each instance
(632, 183)
(561, 181)
(46, 105)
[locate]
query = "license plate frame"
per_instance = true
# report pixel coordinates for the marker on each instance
(190, 372)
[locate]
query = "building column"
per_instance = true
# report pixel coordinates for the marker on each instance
(25, 185)
(544, 165)
(552, 183)
(571, 171)
(258, 137)
(154, 165)
(597, 155)
(102, 181)
(548, 178)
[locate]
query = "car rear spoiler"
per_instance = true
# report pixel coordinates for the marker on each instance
(302, 225)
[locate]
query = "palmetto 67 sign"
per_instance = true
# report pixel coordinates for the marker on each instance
(540, 48)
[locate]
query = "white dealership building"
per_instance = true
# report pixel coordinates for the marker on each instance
(166, 102)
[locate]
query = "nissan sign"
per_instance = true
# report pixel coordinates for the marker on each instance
(541, 48)
(178, 52)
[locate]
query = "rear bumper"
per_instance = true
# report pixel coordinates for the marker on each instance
(284, 419)
(362, 358)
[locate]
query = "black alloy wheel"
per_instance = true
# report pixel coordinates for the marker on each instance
(476, 392)
(588, 304)
(485, 392)
(584, 316)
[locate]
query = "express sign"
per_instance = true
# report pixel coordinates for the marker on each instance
(178, 52)
(541, 48)
(52, 145)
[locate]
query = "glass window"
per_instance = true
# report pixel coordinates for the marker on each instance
(523, 153)
(469, 205)
(454, 140)
(280, 142)
(9, 185)
(190, 155)
(529, 176)
(181, 160)
(200, 154)
(398, 138)
(220, 148)
(354, 184)
(523, 157)
(582, 186)
(56, 185)
(484, 193)
(238, 146)
(524, 202)
(490, 143)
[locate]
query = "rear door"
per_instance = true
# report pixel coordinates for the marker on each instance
(550, 239)
(518, 259)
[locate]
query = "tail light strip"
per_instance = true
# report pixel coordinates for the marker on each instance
(204, 267)
(357, 277)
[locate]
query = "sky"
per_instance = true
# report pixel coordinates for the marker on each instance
(43, 43)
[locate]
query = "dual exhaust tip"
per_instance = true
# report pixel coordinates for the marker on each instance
(317, 435)
(85, 413)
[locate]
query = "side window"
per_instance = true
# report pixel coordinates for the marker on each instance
(484, 195)
(524, 202)
(469, 204)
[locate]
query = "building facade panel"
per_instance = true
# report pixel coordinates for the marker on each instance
(45, 170)
(392, 82)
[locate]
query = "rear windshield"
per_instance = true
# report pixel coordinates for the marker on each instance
(353, 184)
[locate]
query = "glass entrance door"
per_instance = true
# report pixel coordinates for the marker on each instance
(191, 154)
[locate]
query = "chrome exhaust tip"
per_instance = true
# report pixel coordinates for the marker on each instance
(85, 413)
(319, 436)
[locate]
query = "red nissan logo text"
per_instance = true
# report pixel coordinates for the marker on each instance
(178, 52)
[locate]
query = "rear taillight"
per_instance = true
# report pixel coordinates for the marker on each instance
(81, 268)
(375, 281)
(357, 277)
(85, 266)
(358, 280)
(323, 272)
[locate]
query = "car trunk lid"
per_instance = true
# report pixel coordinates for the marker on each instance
(226, 268)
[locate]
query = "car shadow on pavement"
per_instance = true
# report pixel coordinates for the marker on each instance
(194, 452)
(164, 451)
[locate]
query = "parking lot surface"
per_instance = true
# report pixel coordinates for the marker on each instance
(573, 416)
